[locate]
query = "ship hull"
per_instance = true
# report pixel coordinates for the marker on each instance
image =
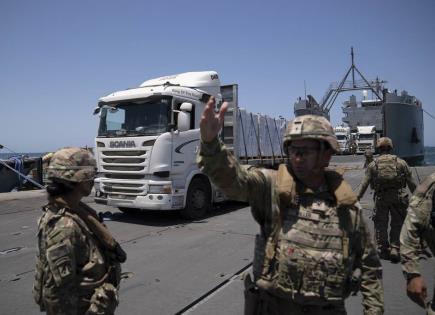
(403, 123)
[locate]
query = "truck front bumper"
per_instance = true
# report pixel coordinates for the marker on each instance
(162, 202)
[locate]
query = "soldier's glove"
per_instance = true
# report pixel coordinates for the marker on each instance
(104, 300)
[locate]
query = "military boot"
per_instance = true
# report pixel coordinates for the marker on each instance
(384, 253)
(394, 255)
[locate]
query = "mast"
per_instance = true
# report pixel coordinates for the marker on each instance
(353, 67)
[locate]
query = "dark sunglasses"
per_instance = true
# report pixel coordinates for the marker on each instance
(302, 151)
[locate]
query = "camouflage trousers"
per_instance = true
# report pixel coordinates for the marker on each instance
(386, 207)
(272, 305)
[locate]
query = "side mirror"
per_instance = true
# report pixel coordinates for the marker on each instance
(96, 110)
(186, 107)
(183, 121)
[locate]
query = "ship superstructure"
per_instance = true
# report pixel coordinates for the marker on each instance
(398, 116)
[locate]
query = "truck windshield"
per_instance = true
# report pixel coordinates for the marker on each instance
(365, 137)
(341, 137)
(136, 118)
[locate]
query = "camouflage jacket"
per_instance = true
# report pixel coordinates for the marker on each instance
(308, 269)
(404, 177)
(418, 226)
(70, 264)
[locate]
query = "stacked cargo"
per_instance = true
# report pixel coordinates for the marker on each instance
(254, 138)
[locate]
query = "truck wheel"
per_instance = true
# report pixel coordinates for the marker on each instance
(198, 200)
(129, 210)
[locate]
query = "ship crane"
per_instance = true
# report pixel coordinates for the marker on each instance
(394, 115)
(354, 85)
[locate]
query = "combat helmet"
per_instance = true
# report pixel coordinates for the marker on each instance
(71, 165)
(311, 127)
(384, 142)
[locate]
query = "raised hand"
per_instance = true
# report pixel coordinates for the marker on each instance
(211, 122)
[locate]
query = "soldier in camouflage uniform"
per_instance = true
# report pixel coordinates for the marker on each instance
(419, 225)
(78, 261)
(368, 154)
(314, 248)
(353, 147)
(388, 175)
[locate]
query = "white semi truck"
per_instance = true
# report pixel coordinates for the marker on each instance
(366, 138)
(148, 139)
(344, 139)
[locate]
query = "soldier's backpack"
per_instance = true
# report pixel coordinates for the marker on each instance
(388, 174)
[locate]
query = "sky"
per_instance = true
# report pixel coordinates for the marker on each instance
(57, 58)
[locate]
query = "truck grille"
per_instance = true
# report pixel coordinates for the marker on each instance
(119, 165)
(109, 189)
(127, 189)
(124, 176)
(124, 161)
(124, 185)
(124, 153)
(123, 197)
(123, 168)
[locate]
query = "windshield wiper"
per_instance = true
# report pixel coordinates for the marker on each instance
(108, 135)
(134, 134)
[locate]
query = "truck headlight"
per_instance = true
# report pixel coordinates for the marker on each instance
(159, 189)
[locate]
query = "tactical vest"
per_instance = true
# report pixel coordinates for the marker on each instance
(388, 173)
(423, 201)
(309, 255)
(92, 275)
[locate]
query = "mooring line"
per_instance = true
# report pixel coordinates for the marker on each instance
(203, 298)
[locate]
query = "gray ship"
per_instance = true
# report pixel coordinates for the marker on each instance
(398, 116)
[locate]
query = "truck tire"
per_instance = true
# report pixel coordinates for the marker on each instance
(198, 200)
(129, 210)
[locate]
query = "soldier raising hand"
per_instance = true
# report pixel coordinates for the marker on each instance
(211, 122)
(314, 248)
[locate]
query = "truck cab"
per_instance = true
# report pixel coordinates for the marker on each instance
(343, 138)
(147, 142)
(366, 138)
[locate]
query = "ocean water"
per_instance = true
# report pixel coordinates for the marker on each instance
(5, 156)
(429, 155)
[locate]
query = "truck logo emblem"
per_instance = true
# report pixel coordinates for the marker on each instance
(214, 76)
(122, 144)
